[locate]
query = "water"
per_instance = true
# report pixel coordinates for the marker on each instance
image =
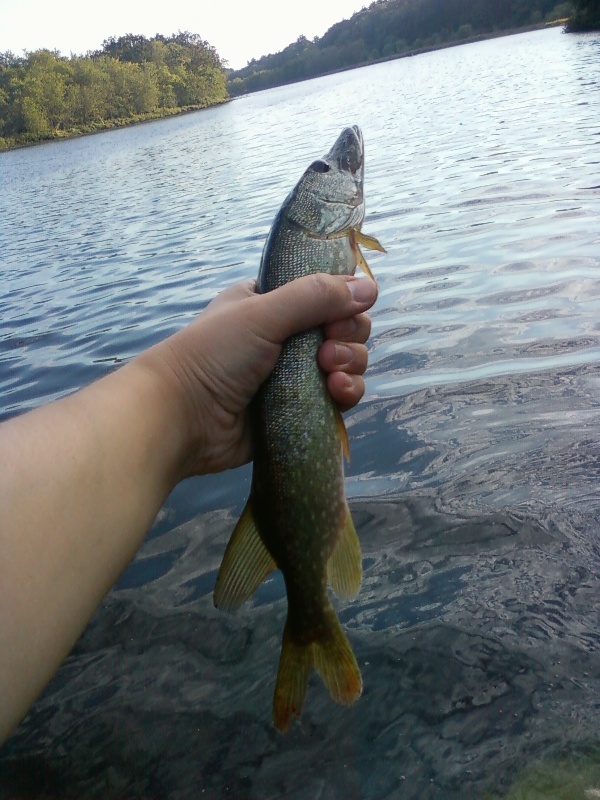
(475, 454)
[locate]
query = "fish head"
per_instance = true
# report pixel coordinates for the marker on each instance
(328, 199)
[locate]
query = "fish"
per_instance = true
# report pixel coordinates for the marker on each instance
(297, 517)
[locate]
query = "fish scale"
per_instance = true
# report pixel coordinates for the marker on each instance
(297, 516)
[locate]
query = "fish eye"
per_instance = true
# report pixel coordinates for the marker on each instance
(320, 166)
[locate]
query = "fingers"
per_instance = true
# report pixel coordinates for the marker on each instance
(345, 362)
(345, 389)
(349, 357)
(314, 300)
(353, 329)
(339, 303)
(232, 294)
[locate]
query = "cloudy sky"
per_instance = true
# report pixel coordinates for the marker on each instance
(238, 29)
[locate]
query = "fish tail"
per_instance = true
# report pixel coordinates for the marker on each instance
(335, 662)
(333, 659)
(295, 662)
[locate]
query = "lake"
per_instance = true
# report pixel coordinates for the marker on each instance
(475, 472)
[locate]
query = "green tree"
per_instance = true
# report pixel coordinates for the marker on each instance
(44, 94)
(89, 91)
(44, 91)
(133, 88)
(586, 16)
(130, 47)
(386, 28)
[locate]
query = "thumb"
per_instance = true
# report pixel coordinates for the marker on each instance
(314, 300)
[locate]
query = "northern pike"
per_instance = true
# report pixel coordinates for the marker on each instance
(297, 517)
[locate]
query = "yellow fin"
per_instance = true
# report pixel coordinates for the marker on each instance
(356, 238)
(360, 261)
(370, 242)
(335, 662)
(342, 433)
(333, 659)
(344, 568)
(245, 565)
(295, 662)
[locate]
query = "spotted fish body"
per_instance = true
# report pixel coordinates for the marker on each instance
(297, 517)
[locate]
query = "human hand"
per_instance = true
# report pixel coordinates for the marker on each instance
(100, 462)
(220, 360)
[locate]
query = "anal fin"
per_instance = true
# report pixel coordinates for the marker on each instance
(344, 568)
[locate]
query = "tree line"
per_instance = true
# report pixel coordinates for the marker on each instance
(44, 94)
(389, 28)
(585, 17)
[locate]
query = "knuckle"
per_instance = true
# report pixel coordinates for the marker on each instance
(323, 286)
(364, 324)
(361, 358)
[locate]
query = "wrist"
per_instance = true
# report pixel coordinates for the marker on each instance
(173, 407)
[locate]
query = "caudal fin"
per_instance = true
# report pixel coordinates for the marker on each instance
(333, 659)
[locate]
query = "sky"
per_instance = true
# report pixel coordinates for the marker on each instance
(239, 29)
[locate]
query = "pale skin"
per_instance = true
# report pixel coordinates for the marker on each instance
(84, 477)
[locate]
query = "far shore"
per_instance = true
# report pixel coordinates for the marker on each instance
(482, 37)
(116, 124)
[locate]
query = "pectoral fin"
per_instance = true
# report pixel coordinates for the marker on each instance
(344, 568)
(360, 262)
(245, 565)
(370, 242)
(356, 238)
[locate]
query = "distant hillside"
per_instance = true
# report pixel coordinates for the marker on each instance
(389, 28)
(585, 17)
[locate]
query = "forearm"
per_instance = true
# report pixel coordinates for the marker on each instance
(82, 479)
(81, 482)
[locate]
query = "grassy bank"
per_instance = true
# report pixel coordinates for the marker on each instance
(25, 140)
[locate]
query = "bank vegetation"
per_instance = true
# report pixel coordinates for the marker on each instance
(585, 16)
(393, 28)
(44, 95)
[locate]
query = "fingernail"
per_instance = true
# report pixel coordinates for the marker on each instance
(362, 290)
(348, 383)
(343, 355)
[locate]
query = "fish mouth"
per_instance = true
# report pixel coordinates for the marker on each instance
(348, 151)
(332, 187)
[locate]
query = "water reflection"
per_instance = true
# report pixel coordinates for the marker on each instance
(476, 633)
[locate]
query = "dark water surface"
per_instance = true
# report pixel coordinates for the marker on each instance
(475, 474)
